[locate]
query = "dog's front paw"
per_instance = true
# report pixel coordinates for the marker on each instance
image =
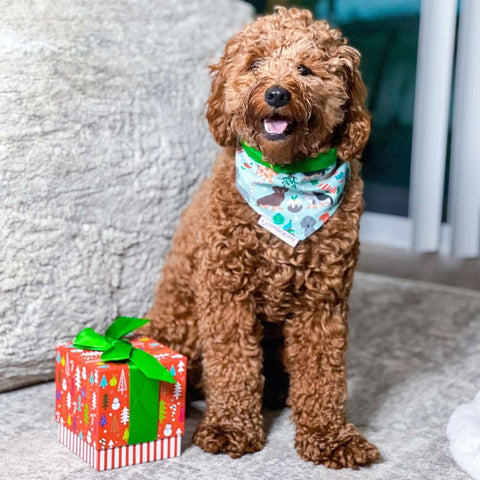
(344, 447)
(236, 440)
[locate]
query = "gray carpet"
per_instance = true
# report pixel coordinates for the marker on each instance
(414, 356)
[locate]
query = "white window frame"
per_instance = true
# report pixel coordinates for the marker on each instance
(422, 230)
(464, 193)
(397, 232)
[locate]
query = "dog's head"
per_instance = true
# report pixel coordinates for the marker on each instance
(289, 86)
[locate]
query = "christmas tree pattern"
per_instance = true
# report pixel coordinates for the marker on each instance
(177, 391)
(103, 382)
(103, 420)
(290, 181)
(67, 367)
(114, 425)
(78, 380)
(125, 416)
(122, 386)
(162, 413)
(181, 366)
(95, 398)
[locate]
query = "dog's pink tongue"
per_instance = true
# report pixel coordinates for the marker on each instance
(275, 125)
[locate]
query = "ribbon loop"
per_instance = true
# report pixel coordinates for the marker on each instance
(123, 325)
(89, 339)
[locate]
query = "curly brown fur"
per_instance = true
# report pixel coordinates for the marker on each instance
(226, 280)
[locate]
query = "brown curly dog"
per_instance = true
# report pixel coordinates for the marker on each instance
(238, 301)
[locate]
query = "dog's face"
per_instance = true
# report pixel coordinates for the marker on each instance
(290, 87)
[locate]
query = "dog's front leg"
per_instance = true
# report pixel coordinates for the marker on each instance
(315, 359)
(232, 361)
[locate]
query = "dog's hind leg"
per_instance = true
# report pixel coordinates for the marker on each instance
(172, 315)
(173, 320)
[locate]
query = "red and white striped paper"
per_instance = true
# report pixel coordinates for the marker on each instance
(120, 456)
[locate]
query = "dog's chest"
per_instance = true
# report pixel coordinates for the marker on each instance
(282, 275)
(283, 279)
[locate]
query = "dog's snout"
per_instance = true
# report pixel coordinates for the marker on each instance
(277, 96)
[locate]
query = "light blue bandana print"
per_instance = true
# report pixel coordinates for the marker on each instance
(298, 203)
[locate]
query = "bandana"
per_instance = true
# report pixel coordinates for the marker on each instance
(294, 201)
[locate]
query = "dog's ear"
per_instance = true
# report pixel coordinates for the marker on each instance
(217, 119)
(352, 135)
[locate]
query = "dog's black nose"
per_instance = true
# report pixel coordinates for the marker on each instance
(277, 96)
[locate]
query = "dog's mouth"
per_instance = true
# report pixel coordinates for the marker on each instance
(278, 127)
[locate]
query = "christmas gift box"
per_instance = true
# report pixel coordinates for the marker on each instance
(120, 401)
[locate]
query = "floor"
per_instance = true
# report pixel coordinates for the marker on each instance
(413, 358)
(429, 267)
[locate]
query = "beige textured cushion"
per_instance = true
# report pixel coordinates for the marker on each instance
(102, 142)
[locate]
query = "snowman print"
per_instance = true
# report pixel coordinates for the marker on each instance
(84, 373)
(168, 430)
(115, 404)
(89, 437)
(64, 384)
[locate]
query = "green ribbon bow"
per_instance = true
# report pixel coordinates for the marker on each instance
(145, 373)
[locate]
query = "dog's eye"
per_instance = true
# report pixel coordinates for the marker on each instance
(304, 71)
(255, 64)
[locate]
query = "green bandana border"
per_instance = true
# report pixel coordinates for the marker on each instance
(320, 162)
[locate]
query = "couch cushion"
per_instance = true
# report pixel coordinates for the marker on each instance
(103, 140)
